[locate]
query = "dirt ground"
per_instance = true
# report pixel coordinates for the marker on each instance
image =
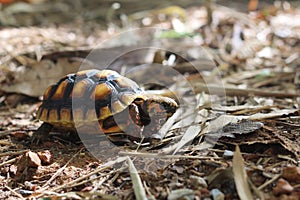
(234, 71)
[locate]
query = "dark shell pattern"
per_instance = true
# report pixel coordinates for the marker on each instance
(88, 95)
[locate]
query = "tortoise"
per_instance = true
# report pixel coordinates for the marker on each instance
(105, 99)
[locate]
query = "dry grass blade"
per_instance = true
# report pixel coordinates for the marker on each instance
(240, 176)
(188, 136)
(139, 190)
(166, 127)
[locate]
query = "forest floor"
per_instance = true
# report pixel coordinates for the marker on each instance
(234, 73)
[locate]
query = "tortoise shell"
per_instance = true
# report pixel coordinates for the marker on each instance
(115, 102)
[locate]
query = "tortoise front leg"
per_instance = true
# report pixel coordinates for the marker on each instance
(42, 133)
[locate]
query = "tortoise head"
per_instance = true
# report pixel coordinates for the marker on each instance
(154, 112)
(156, 105)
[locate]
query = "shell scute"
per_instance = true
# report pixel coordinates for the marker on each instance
(87, 95)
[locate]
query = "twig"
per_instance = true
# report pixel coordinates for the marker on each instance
(5, 143)
(209, 11)
(14, 153)
(150, 195)
(269, 182)
(159, 156)
(288, 158)
(99, 184)
(8, 162)
(7, 132)
(219, 90)
(14, 192)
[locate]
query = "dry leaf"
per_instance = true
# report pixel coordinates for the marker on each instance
(166, 127)
(220, 122)
(275, 113)
(240, 176)
(188, 136)
(34, 80)
(138, 188)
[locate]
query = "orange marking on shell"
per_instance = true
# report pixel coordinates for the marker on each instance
(113, 129)
(53, 115)
(82, 73)
(38, 113)
(107, 72)
(59, 93)
(79, 89)
(47, 92)
(101, 91)
(77, 115)
(43, 116)
(125, 82)
(104, 113)
(65, 115)
(128, 98)
(118, 106)
(91, 115)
